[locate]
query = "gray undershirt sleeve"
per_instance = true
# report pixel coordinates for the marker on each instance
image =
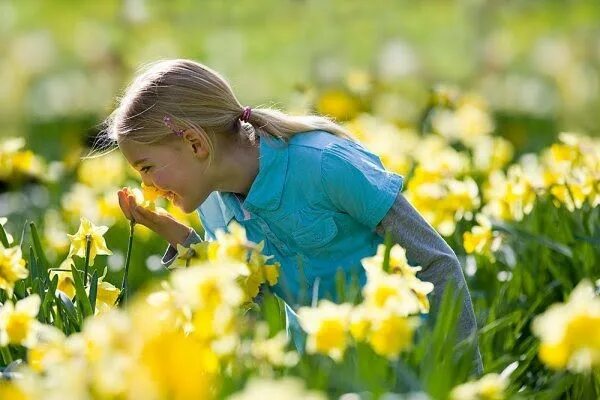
(439, 263)
(171, 252)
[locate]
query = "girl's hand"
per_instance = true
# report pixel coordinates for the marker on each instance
(161, 222)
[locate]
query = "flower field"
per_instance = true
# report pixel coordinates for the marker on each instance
(527, 231)
(87, 310)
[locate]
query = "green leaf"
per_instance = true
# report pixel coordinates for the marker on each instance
(93, 290)
(32, 266)
(551, 244)
(4, 237)
(49, 299)
(39, 252)
(82, 299)
(68, 308)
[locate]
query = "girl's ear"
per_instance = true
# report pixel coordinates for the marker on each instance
(196, 142)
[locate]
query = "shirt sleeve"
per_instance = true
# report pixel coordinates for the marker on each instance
(356, 182)
(171, 252)
(440, 266)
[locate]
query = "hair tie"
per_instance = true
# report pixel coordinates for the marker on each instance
(169, 124)
(246, 114)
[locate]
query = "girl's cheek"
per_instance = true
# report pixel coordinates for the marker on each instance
(163, 180)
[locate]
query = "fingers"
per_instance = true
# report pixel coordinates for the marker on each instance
(124, 203)
(144, 216)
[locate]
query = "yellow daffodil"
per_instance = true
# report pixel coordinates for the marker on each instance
(179, 366)
(390, 333)
(106, 296)
(65, 280)
(12, 268)
(401, 289)
(18, 322)
(79, 240)
(481, 239)
(327, 327)
(234, 246)
(271, 351)
(337, 104)
(213, 295)
(510, 196)
(152, 193)
(489, 387)
(49, 349)
(12, 390)
(289, 388)
(570, 332)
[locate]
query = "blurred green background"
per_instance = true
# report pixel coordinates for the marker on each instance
(64, 63)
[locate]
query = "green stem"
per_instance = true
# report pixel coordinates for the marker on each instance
(6, 355)
(388, 248)
(88, 245)
(123, 294)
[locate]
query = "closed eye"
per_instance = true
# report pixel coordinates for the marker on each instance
(145, 169)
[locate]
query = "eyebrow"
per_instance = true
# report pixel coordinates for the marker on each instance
(135, 164)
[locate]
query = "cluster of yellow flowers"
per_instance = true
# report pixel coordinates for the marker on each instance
(234, 247)
(570, 332)
(441, 187)
(569, 171)
(386, 319)
(196, 329)
(16, 163)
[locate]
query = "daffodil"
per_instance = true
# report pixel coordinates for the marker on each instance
(18, 322)
(482, 240)
(570, 332)
(401, 289)
(271, 351)
(390, 333)
(12, 268)
(337, 104)
(12, 390)
(233, 246)
(327, 326)
(97, 242)
(106, 296)
(489, 387)
(65, 284)
(392, 292)
(289, 388)
(213, 295)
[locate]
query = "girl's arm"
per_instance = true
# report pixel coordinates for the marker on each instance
(438, 261)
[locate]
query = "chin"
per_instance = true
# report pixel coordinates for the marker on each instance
(186, 208)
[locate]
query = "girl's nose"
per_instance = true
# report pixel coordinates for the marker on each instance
(147, 181)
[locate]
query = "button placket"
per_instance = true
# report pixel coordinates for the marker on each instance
(281, 246)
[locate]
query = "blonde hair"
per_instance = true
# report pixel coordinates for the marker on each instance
(195, 96)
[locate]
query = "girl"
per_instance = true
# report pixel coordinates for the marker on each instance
(318, 199)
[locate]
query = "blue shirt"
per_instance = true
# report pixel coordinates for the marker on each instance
(315, 202)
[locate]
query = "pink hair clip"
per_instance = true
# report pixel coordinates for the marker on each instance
(169, 124)
(246, 114)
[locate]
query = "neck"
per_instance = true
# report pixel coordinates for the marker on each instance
(239, 167)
